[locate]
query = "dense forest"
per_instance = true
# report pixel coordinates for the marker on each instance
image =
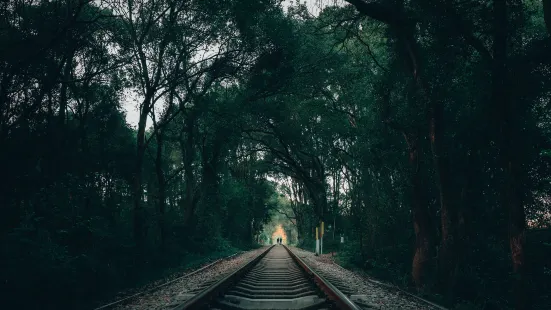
(418, 130)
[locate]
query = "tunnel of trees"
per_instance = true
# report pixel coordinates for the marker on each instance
(419, 130)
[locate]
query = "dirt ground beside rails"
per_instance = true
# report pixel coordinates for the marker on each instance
(362, 291)
(177, 292)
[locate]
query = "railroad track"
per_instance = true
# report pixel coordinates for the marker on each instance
(276, 279)
(132, 297)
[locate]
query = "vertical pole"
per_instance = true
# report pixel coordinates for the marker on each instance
(334, 226)
(321, 238)
(317, 242)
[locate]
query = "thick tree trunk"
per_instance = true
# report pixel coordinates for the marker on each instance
(435, 111)
(421, 217)
(60, 128)
(209, 207)
(517, 236)
(464, 210)
(317, 194)
(5, 84)
(190, 201)
(507, 135)
(547, 14)
(297, 205)
(409, 48)
(161, 187)
(63, 97)
(300, 227)
(448, 213)
(137, 191)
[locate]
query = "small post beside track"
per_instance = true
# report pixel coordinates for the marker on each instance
(317, 243)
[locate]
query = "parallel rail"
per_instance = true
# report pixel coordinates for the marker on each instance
(202, 299)
(128, 299)
(341, 300)
(273, 278)
(242, 277)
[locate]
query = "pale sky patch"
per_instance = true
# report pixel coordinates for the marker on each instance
(131, 99)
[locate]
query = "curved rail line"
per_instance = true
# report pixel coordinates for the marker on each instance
(276, 279)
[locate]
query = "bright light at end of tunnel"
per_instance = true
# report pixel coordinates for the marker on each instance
(279, 233)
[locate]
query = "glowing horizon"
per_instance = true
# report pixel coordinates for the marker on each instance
(279, 232)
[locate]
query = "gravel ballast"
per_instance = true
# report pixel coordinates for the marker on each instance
(177, 292)
(365, 293)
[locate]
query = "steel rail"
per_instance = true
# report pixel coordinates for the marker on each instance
(341, 300)
(396, 288)
(149, 290)
(203, 298)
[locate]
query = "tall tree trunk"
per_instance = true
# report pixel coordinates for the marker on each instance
(405, 29)
(448, 216)
(336, 192)
(209, 198)
(435, 111)
(7, 78)
(547, 14)
(317, 194)
(517, 234)
(507, 136)
(464, 209)
(63, 98)
(421, 217)
(60, 130)
(190, 201)
(137, 191)
(161, 186)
